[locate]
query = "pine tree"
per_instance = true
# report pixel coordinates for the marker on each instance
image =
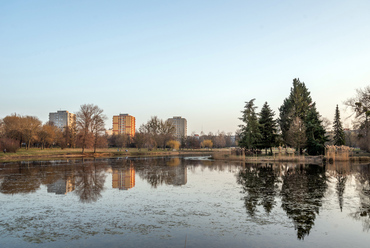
(296, 135)
(315, 132)
(267, 127)
(296, 105)
(250, 135)
(339, 138)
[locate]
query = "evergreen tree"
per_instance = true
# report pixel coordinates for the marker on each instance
(339, 138)
(296, 135)
(250, 135)
(267, 127)
(296, 105)
(315, 132)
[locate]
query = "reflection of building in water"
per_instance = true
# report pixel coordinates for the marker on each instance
(180, 176)
(173, 174)
(177, 174)
(123, 178)
(61, 186)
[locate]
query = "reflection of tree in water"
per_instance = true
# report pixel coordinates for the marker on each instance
(340, 187)
(162, 171)
(340, 171)
(89, 182)
(363, 213)
(26, 177)
(23, 179)
(302, 192)
(260, 185)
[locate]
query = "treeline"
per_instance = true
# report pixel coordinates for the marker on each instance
(28, 131)
(157, 133)
(88, 131)
(299, 124)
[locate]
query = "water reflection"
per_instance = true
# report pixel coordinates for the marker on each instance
(61, 186)
(271, 194)
(153, 171)
(259, 183)
(123, 176)
(86, 178)
(300, 187)
(89, 182)
(302, 194)
(363, 187)
(20, 179)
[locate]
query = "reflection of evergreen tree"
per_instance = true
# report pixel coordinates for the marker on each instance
(364, 191)
(260, 185)
(341, 185)
(302, 192)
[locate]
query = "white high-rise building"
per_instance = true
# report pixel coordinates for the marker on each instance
(62, 119)
(180, 125)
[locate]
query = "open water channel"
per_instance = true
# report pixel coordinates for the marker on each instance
(183, 202)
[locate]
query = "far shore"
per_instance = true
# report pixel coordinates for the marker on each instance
(216, 154)
(69, 153)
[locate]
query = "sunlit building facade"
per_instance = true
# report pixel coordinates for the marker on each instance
(124, 124)
(62, 119)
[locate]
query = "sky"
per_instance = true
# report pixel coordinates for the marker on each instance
(201, 60)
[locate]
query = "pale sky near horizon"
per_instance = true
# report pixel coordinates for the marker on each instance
(197, 59)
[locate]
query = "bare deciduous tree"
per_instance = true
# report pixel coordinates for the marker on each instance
(90, 120)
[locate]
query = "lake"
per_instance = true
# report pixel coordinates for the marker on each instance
(183, 202)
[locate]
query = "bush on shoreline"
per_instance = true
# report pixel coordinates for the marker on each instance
(8, 145)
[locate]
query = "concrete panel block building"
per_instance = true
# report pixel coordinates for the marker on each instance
(62, 119)
(124, 124)
(180, 125)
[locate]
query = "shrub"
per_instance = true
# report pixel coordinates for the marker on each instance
(10, 145)
(173, 144)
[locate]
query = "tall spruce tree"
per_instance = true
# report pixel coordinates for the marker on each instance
(339, 138)
(267, 127)
(315, 132)
(250, 135)
(296, 105)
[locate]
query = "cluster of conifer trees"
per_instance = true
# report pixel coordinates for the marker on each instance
(299, 124)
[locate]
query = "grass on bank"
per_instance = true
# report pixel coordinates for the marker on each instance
(77, 152)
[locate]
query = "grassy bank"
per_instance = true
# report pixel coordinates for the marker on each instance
(357, 156)
(266, 158)
(50, 153)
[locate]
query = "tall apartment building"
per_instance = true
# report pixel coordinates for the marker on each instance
(124, 124)
(62, 119)
(180, 125)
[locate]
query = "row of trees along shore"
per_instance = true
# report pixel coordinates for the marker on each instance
(300, 125)
(89, 132)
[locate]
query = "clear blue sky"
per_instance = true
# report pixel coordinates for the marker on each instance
(197, 59)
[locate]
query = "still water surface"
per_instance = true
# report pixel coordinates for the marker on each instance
(178, 202)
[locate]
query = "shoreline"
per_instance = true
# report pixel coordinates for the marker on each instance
(36, 154)
(57, 153)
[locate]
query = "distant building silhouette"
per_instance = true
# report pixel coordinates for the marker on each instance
(124, 124)
(180, 125)
(62, 119)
